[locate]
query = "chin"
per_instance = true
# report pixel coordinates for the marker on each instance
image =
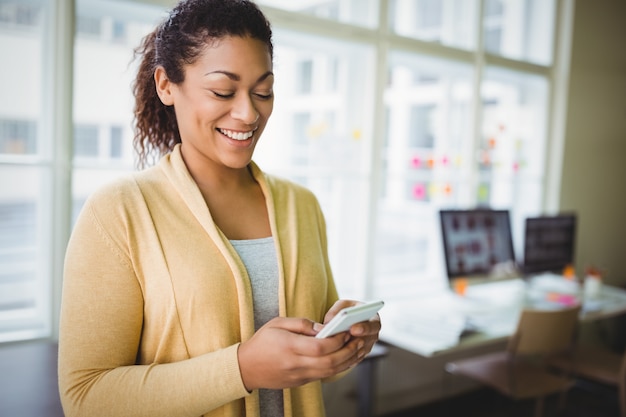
(238, 163)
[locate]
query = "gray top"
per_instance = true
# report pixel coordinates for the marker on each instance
(259, 257)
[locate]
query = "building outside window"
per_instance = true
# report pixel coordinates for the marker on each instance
(86, 141)
(18, 137)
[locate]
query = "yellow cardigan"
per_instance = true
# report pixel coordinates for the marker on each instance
(156, 300)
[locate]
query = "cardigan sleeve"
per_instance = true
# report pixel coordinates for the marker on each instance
(100, 332)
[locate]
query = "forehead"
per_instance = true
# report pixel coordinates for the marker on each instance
(240, 55)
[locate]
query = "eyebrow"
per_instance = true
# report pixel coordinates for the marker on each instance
(236, 77)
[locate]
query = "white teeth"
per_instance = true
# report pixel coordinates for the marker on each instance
(237, 135)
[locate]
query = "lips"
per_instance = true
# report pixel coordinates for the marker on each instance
(236, 135)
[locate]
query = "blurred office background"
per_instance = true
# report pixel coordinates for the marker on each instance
(389, 110)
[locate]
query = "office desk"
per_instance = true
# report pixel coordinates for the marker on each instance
(444, 322)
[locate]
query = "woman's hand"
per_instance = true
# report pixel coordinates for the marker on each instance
(365, 332)
(284, 353)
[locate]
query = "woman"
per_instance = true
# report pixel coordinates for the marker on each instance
(196, 286)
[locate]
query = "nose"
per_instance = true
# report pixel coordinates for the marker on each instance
(244, 110)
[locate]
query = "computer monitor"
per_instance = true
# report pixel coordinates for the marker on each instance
(477, 244)
(549, 243)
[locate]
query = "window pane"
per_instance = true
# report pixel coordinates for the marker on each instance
(103, 103)
(357, 12)
(88, 26)
(21, 25)
(425, 159)
(25, 272)
(24, 275)
(117, 143)
(86, 140)
(320, 134)
(18, 137)
(449, 22)
(520, 29)
(512, 150)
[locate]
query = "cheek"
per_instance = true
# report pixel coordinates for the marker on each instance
(208, 112)
(266, 109)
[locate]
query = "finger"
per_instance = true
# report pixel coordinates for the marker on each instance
(309, 364)
(298, 332)
(329, 365)
(340, 304)
(296, 325)
(350, 355)
(365, 328)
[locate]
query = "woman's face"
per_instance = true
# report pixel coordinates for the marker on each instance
(224, 102)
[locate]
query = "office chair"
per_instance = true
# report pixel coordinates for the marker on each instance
(596, 364)
(520, 372)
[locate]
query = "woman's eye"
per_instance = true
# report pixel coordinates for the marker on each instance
(227, 95)
(264, 96)
(223, 95)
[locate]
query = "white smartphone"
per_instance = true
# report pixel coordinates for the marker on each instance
(349, 316)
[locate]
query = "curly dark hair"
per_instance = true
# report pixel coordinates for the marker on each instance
(175, 43)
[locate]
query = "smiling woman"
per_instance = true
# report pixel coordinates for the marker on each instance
(196, 286)
(377, 112)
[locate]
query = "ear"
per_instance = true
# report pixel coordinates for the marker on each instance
(163, 86)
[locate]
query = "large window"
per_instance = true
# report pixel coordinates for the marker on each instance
(107, 33)
(459, 118)
(425, 165)
(320, 135)
(25, 171)
(387, 109)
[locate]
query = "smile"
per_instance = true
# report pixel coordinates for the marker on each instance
(236, 135)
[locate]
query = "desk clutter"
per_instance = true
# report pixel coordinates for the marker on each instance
(489, 289)
(489, 311)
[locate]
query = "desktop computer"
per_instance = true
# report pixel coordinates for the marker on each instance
(549, 243)
(477, 244)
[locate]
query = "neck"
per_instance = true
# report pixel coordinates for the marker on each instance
(214, 177)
